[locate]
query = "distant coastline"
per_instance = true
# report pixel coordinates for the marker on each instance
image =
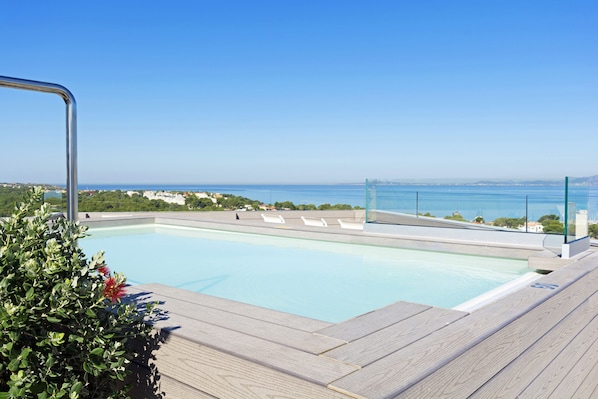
(490, 201)
(586, 181)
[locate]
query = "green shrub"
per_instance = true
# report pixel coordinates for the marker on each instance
(64, 327)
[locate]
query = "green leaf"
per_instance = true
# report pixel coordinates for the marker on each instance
(56, 338)
(87, 368)
(76, 388)
(30, 294)
(97, 352)
(76, 338)
(50, 362)
(53, 319)
(14, 364)
(23, 356)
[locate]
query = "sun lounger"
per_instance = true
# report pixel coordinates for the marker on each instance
(273, 218)
(314, 222)
(351, 224)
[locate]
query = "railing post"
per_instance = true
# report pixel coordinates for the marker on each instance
(72, 204)
(367, 201)
(566, 224)
(526, 214)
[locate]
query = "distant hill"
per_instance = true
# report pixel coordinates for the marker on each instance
(590, 181)
(586, 181)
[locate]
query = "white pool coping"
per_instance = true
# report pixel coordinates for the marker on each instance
(498, 292)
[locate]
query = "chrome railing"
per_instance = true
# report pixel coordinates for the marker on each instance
(71, 133)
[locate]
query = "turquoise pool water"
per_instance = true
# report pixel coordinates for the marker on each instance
(323, 280)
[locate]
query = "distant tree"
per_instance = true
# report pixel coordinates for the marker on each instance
(306, 207)
(593, 230)
(327, 206)
(9, 197)
(511, 223)
(118, 201)
(427, 214)
(288, 205)
(553, 226)
(55, 202)
(231, 202)
(548, 217)
(456, 216)
(196, 203)
(342, 207)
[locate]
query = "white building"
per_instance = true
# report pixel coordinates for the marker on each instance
(532, 227)
(171, 198)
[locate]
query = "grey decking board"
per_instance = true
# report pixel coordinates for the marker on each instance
(272, 316)
(461, 377)
(401, 370)
(383, 342)
(295, 362)
(408, 366)
(556, 372)
(179, 390)
(228, 376)
(298, 339)
(515, 377)
(589, 387)
(458, 378)
(371, 322)
(585, 371)
(578, 293)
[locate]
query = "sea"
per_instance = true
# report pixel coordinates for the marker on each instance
(487, 200)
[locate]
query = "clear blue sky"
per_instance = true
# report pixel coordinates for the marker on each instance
(302, 91)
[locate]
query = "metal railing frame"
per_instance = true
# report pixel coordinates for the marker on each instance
(71, 133)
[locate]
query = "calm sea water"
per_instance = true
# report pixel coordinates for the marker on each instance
(488, 201)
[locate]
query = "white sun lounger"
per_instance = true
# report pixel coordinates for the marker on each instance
(273, 218)
(351, 224)
(314, 222)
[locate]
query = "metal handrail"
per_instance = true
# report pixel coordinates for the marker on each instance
(71, 133)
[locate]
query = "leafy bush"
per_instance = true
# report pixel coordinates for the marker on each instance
(64, 326)
(511, 223)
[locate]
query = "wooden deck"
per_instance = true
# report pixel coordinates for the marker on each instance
(538, 342)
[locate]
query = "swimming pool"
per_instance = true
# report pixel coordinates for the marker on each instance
(324, 280)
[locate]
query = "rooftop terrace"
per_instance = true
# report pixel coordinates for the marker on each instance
(538, 341)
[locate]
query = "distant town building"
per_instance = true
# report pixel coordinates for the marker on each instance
(212, 197)
(532, 227)
(171, 198)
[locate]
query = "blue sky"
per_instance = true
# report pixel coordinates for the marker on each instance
(301, 91)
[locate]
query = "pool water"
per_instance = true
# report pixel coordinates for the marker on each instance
(323, 280)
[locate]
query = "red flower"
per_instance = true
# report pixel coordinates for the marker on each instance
(113, 290)
(103, 270)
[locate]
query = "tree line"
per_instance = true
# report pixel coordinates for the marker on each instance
(121, 201)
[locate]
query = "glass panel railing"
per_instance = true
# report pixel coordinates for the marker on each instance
(529, 207)
(487, 203)
(577, 216)
(57, 200)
